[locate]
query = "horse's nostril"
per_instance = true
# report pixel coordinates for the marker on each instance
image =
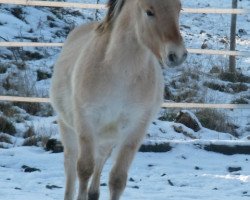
(172, 57)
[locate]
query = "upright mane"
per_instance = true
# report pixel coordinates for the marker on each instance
(114, 9)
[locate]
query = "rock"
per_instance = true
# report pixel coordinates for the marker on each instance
(209, 35)
(162, 130)
(184, 157)
(228, 149)
(189, 120)
(54, 145)
(197, 168)
(163, 147)
(170, 182)
(51, 187)
(224, 41)
(242, 32)
(28, 169)
(234, 169)
(179, 129)
(131, 180)
(204, 46)
(185, 26)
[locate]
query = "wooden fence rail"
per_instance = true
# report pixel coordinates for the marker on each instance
(192, 51)
(164, 105)
(103, 6)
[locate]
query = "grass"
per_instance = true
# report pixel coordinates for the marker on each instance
(240, 100)
(30, 108)
(7, 109)
(234, 77)
(28, 55)
(12, 112)
(18, 12)
(184, 87)
(37, 136)
(30, 132)
(227, 88)
(5, 138)
(215, 120)
(168, 115)
(3, 69)
(7, 126)
(34, 139)
(42, 75)
(36, 109)
(40, 140)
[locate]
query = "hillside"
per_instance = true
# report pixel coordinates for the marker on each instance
(187, 169)
(27, 71)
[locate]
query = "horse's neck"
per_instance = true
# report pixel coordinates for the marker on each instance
(124, 49)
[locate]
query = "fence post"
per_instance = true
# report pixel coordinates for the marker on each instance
(232, 59)
(97, 11)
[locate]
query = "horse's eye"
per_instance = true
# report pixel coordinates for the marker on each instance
(150, 13)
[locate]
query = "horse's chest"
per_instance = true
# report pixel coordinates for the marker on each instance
(119, 104)
(114, 118)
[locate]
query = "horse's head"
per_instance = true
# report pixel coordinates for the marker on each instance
(157, 27)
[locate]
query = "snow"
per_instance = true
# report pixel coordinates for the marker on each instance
(193, 173)
(162, 131)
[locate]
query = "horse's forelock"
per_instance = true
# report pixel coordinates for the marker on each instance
(114, 8)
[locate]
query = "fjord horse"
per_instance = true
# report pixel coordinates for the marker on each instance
(108, 86)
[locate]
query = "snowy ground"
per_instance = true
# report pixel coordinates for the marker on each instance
(185, 173)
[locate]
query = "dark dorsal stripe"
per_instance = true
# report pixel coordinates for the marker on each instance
(114, 8)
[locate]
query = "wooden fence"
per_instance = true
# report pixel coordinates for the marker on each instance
(164, 105)
(102, 6)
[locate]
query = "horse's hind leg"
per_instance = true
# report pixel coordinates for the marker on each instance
(69, 141)
(127, 150)
(103, 154)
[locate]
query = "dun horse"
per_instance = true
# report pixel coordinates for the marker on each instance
(108, 86)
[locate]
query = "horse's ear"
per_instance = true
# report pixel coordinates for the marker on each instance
(114, 8)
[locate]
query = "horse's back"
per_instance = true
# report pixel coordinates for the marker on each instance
(61, 88)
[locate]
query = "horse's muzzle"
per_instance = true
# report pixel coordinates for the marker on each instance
(175, 59)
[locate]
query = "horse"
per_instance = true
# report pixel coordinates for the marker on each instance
(107, 87)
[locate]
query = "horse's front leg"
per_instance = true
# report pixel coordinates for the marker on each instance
(85, 163)
(101, 157)
(69, 140)
(126, 152)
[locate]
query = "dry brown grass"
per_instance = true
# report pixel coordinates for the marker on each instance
(7, 126)
(215, 120)
(5, 138)
(32, 138)
(36, 141)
